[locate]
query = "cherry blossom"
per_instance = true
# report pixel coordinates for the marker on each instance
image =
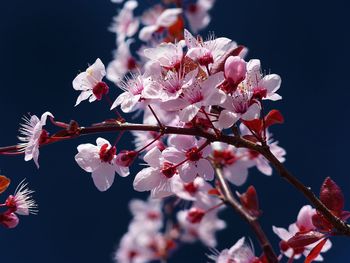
(197, 97)
(192, 191)
(100, 161)
(206, 52)
(90, 83)
(164, 20)
(240, 252)
(238, 106)
(22, 202)
(263, 86)
(133, 93)
(261, 163)
(32, 135)
(197, 14)
(122, 64)
(125, 24)
(169, 55)
(204, 230)
(233, 161)
(303, 224)
(186, 150)
(159, 177)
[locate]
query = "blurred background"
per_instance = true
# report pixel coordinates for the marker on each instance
(44, 44)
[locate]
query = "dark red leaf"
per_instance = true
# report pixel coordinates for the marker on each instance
(303, 239)
(345, 215)
(273, 117)
(315, 251)
(332, 196)
(255, 125)
(4, 183)
(249, 201)
(219, 64)
(321, 223)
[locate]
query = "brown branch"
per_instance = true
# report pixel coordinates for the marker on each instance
(339, 225)
(229, 199)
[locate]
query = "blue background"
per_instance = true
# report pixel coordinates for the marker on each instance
(44, 44)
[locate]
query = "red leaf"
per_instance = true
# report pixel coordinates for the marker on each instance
(4, 183)
(255, 125)
(249, 200)
(332, 196)
(315, 251)
(345, 215)
(302, 239)
(273, 117)
(321, 223)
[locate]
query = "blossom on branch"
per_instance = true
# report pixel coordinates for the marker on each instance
(32, 135)
(99, 160)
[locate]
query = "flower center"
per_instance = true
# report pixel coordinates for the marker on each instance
(206, 59)
(100, 89)
(193, 154)
(195, 215)
(190, 188)
(131, 64)
(107, 155)
(168, 170)
(225, 157)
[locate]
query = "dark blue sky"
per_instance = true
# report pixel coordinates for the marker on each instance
(43, 45)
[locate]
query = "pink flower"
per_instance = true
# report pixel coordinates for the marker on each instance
(171, 86)
(206, 52)
(192, 191)
(90, 83)
(303, 224)
(133, 88)
(159, 177)
(125, 24)
(238, 106)
(122, 64)
(147, 213)
(197, 96)
(240, 252)
(168, 55)
(204, 230)
(32, 135)
(197, 14)
(234, 162)
(22, 202)
(10, 220)
(235, 70)
(266, 86)
(167, 18)
(100, 161)
(185, 150)
(260, 161)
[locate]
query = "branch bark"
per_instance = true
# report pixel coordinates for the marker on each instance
(229, 199)
(341, 227)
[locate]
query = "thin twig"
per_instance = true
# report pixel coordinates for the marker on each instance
(251, 220)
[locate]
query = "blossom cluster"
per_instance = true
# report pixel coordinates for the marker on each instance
(177, 79)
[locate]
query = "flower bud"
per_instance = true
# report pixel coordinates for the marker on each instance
(100, 89)
(235, 70)
(9, 220)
